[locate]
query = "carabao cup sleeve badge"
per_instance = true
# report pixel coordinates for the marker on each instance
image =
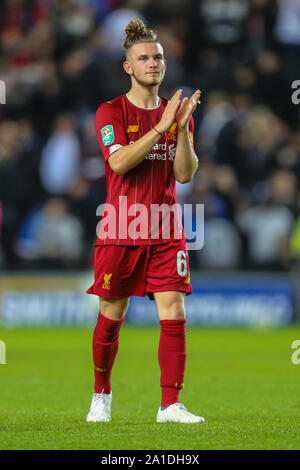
(108, 135)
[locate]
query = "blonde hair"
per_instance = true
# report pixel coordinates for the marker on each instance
(137, 31)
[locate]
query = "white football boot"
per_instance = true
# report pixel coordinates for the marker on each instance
(100, 409)
(177, 413)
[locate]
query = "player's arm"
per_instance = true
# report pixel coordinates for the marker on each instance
(185, 161)
(129, 156)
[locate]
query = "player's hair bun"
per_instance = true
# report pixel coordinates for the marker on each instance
(137, 31)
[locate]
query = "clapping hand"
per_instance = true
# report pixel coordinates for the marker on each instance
(186, 109)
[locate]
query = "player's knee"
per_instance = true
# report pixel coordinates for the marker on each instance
(115, 309)
(175, 311)
(178, 311)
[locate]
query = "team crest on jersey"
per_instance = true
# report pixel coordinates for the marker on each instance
(172, 132)
(108, 135)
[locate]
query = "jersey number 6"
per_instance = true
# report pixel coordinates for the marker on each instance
(181, 263)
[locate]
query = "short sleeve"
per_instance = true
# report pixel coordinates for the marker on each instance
(110, 129)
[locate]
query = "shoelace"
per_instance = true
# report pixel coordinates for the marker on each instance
(98, 397)
(181, 405)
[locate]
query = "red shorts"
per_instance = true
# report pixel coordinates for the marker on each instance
(122, 271)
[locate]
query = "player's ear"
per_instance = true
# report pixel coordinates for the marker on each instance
(127, 67)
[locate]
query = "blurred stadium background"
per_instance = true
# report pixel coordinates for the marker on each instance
(59, 60)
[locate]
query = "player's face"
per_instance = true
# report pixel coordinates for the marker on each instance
(146, 63)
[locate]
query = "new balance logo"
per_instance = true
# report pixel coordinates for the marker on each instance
(132, 128)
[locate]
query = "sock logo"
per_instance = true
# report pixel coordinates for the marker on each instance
(106, 283)
(100, 369)
(178, 385)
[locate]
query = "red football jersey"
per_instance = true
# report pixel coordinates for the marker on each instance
(141, 206)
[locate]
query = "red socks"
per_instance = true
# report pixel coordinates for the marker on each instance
(172, 358)
(105, 348)
(171, 355)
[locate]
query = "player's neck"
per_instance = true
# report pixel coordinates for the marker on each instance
(144, 97)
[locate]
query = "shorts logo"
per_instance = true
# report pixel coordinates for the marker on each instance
(106, 283)
(187, 280)
(172, 132)
(133, 128)
(108, 135)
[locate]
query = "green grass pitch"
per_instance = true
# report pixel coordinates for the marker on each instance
(242, 381)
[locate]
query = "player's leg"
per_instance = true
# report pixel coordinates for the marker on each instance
(168, 281)
(105, 347)
(172, 357)
(106, 340)
(119, 273)
(172, 345)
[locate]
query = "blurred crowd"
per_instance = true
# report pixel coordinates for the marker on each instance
(60, 59)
